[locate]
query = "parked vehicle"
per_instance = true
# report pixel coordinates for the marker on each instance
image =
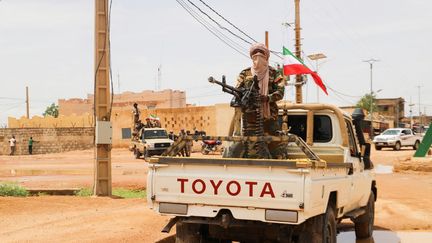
(152, 141)
(324, 179)
(211, 146)
(397, 138)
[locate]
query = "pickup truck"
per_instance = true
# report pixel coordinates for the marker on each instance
(151, 141)
(327, 177)
(396, 138)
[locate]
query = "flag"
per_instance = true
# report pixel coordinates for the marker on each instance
(293, 65)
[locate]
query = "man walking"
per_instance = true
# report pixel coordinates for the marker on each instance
(12, 144)
(30, 146)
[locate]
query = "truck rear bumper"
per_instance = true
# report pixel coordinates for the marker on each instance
(210, 213)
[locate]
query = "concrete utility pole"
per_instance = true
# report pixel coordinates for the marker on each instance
(27, 104)
(102, 166)
(299, 81)
(371, 62)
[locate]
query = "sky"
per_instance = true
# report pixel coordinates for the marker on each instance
(48, 45)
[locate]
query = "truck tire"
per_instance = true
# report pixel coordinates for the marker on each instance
(397, 146)
(324, 230)
(188, 233)
(364, 224)
(416, 145)
(378, 147)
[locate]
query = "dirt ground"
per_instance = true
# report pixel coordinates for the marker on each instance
(403, 200)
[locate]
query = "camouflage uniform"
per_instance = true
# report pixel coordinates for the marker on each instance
(276, 92)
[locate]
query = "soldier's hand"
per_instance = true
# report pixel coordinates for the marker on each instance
(264, 98)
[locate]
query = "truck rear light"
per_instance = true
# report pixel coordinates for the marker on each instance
(281, 215)
(173, 208)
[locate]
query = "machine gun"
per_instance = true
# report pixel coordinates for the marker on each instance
(249, 100)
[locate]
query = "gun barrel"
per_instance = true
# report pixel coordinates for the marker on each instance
(225, 87)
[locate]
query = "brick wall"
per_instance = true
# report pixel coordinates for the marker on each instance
(47, 140)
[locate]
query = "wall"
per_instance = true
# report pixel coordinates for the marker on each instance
(85, 120)
(215, 120)
(47, 140)
(146, 99)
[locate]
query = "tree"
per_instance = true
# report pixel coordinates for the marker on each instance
(365, 103)
(51, 110)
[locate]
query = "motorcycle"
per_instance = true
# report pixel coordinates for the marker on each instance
(210, 146)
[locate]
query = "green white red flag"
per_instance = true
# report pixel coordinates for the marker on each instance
(294, 66)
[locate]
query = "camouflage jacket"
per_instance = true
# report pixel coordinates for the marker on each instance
(276, 87)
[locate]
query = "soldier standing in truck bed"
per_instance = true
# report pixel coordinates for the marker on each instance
(271, 84)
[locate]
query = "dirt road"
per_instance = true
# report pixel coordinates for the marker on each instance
(403, 200)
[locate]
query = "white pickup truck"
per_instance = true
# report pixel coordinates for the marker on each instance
(396, 138)
(298, 199)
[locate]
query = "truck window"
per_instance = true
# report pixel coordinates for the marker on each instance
(152, 134)
(322, 130)
(407, 132)
(351, 139)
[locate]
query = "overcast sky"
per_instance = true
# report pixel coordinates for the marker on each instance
(48, 45)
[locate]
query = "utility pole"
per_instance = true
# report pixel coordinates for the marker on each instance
(299, 80)
(411, 116)
(103, 131)
(420, 117)
(27, 104)
(371, 62)
(267, 39)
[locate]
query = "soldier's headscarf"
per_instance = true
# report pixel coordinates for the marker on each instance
(260, 56)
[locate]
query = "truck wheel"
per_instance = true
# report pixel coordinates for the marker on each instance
(188, 233)
(364, 224)
(397, 146)
(416, 145)
(324, 229)
(378, 147)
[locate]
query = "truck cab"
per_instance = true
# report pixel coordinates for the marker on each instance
(152, 141)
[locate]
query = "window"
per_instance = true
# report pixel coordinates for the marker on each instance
(322, 130)
(126, 133)
(351, 139)
(407, 132)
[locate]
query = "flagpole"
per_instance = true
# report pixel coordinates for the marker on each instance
(299, 83)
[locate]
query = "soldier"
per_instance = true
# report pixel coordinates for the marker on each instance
(183, 152)
(136, 112)
(271, 87)
(137, 122)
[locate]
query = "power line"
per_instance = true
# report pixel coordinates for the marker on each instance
(214, 11)
(202, 22)
(218, 24)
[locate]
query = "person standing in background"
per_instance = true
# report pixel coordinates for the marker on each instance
(12, 144)
(30, 145)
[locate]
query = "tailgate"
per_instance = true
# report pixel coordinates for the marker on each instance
(223, 182)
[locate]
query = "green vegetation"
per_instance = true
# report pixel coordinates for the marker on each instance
(119, 192)
(365, 102)
(52, 110)
(84, 192)
(128, 193)
(12, 190)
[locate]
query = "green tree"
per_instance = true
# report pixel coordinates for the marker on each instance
(51, 110)
(365, 103)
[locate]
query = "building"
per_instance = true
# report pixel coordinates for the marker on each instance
(392, 109)
(146, 99)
